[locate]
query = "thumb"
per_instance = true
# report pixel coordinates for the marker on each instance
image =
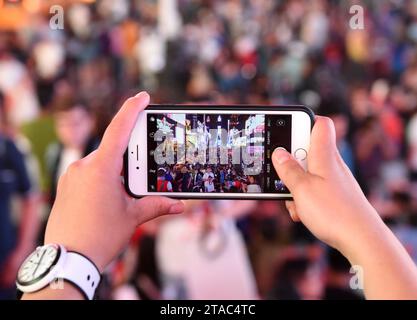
(117, 135)
(152, 207)
(288, 169)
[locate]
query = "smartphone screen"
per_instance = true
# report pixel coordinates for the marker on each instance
(221, 153)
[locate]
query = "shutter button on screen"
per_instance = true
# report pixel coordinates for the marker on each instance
(300, 154)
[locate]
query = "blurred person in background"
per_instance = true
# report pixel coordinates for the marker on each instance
(163, 185)
(198, 178)
(201, 255)
(17, 237)
(337, 278)
(187, 179)
(403, 220)
(147, 274)
(253, 185)
(136, 274)
(296, 281)
(265, 230)
(74, 126)
(337, 111)
(209, 184)
(16, 84)
(372, 149)
(412, 147)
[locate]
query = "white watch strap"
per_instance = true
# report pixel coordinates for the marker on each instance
(81, 272)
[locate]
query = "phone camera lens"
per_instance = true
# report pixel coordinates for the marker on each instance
(137, 168)
(280, 122)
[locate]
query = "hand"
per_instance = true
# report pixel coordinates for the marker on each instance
(92, 213)
(330, 203)
(327, 198)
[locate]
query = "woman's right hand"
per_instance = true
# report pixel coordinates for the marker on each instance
(330, 203)
(327, 198)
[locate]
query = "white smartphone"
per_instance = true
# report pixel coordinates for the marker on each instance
(219, 152)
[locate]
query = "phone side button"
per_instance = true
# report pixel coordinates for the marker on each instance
(300, 154)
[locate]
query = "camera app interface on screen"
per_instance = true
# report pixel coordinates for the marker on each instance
(228, 153)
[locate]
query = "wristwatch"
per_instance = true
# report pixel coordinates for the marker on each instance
(52, 265)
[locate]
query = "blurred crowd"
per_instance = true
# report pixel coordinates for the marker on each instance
(207, 178)
(59, 89)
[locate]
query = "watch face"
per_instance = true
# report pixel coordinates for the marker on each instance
(38, 264)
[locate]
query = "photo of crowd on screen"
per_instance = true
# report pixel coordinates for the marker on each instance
(196, 131)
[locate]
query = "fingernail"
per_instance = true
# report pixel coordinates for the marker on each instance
(143, 94)
(176, 208)
(281, 155)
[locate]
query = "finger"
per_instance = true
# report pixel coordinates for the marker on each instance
(289, 170)
(117, 135)
(151, 207)
(323, 150)
(290, 205)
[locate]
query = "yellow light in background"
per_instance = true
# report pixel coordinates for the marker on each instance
(31, 6)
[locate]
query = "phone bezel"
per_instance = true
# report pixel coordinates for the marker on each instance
(189, 108)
